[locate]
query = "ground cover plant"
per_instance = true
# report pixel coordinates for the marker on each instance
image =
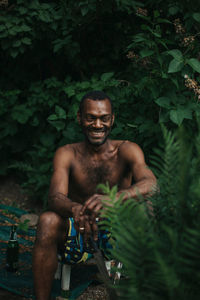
(146, 57)
(160, 253)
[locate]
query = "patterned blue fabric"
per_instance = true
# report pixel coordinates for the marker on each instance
(77, 251)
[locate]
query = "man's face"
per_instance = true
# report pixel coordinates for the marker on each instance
(96, 120)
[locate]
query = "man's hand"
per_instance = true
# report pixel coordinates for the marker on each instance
(93, 206)
(84, 223)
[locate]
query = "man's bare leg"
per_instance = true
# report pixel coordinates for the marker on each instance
(51, 232)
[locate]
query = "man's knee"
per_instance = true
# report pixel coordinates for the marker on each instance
(50, 219)
(49, 226)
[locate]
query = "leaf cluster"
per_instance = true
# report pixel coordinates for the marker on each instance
(160, 254)
(53, 52)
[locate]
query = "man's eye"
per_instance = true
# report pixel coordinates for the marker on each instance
(90, 118)
(105, 119)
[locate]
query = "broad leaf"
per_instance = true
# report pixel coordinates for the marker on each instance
(59, 125)
(25, 28)
(196, 17)
(146, 52)
(69, 91)
(195, 64)
(173, 10)
(132, 125)
(107, 76)
(26, 41)
(47, 139)
(84, 10)
(17, 43)
(14, 53)
(177, 116)
(21, 113)
(177, 54)
(52, 117)
(175, 66)
(163, 102)
(60, 112)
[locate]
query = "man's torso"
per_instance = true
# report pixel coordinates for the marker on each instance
(87, 172)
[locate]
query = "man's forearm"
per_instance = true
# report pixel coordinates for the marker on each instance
(146, 188)
(61, 204)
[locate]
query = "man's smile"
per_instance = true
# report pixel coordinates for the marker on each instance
(97, 134)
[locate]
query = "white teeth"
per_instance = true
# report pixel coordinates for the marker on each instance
(95, 133)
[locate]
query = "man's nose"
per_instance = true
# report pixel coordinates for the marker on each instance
(98, 123)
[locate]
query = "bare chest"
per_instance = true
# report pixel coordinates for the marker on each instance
(87, 174)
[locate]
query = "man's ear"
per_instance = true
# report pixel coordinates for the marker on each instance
(79, 117)
(113, 119)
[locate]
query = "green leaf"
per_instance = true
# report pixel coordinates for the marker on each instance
(156, 34)
(21, 113)
(177, 116)
(84, 85)
(107, 76)
(60, 112)
(44, 16)
(47, 139)
(2, 27)
(175, 66)
(173, 10)
(14, 53)
(22, 10)
(12, 31)
(140, 37)
(175, 81)
(59, 125)
(146, 52)
(132, 125)
(35, 121)
(196, 17)
(24, 226)
(25, 28)
(156, 13)
(84, 10)
(195, 64)
(177, 54)
(69, 91)
(26, 41)
(52, 117)
(161, 20)
(17, 43)
(57, 46)
(163, 102)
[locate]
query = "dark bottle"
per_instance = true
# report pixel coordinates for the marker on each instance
(12, 252)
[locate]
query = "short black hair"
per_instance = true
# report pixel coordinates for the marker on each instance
(94, 95)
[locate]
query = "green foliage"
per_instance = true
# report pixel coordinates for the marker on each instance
(160, 253)
(24, 226)
(53, 52)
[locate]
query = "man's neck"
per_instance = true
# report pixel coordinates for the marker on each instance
(97, 149)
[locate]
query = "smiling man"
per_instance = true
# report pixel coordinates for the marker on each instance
(74, 201)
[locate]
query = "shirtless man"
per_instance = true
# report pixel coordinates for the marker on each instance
(78, 169)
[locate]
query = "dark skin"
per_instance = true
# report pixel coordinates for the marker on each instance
(78, 169)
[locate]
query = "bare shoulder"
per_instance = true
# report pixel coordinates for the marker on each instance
(64, 156)
(131, 151)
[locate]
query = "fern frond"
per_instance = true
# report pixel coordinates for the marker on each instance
(21, 166)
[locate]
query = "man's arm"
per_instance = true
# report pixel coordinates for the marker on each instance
(58, 194)
(145, 181)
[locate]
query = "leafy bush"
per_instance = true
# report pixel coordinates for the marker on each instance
(145, 55)
(160, 253)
